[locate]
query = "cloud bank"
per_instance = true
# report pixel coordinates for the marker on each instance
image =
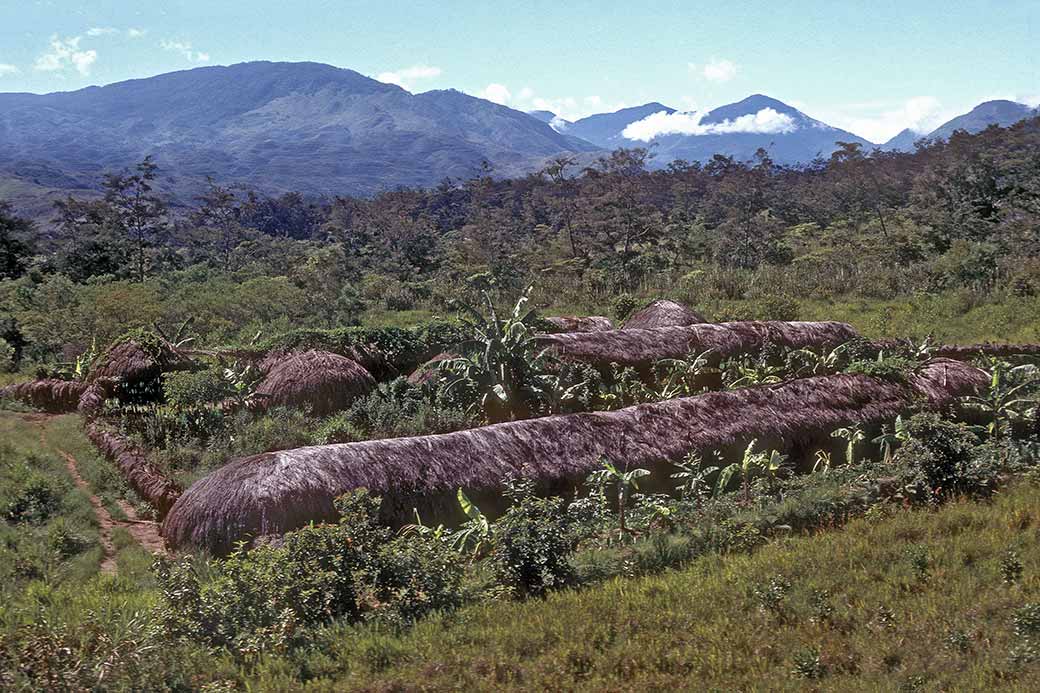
(8, 69)
(766, 121)
(716, 70)
(408, 76)
(185, 49)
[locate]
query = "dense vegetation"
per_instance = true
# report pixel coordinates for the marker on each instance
(941, 240)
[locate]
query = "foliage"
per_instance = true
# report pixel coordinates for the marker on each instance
(942, 457)
(533, 542)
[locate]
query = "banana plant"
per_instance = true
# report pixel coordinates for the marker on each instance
(752, 462)
(505, 377)
(823, 462)
(890, 438)
(679, 377)
(1010, 397)
(822, 362)
(852, 435)
(693, 476)
(472, 536)
(626, 482)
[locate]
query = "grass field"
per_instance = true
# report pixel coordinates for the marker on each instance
(900, 600)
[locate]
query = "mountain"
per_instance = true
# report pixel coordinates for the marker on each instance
(999, 112)
(737, 130)
(604, 129)
(273, 126)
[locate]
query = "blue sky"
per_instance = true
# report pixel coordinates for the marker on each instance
(872, 67)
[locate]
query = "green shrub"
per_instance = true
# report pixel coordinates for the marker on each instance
(336, 429)
(624, 304)
(258, 598)
(7, 356)
(942, 458)
(34, 500)
(191, 388)
(533, 543)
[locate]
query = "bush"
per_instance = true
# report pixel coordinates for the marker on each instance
(354, 569)
(624, 304)
(533, 543)
(191, 388)
(34, 501)
(943, 458)
(7, 356)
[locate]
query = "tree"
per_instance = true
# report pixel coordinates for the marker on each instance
(15, 245)
(219, 212)
(135, 209)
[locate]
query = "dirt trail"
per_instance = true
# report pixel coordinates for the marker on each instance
(144, 532)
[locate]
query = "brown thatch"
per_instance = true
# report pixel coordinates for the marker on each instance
(144, 478)
(578, 323)
(93, 398)
(275, 492)
(428, 371)
(131, 362)
(964, 352)
(320, 381)
(641, 348)
(50, 395)
(663, 313)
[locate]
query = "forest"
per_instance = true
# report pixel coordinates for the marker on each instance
(599, 427)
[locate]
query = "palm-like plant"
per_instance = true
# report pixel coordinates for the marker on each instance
(771, 463)
(851, 435)
(504, 377)
(1010, 397)
(892, 437)
(626, 482)
(680, 377)
(693, 476)
(474, 532)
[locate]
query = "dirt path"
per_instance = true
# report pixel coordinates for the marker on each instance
(144, 532)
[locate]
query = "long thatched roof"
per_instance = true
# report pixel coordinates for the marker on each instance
(50, 395)
(276, 492)
(580, 323)
(663, 313)
(143, 477)
(641, 348)
(320, 381)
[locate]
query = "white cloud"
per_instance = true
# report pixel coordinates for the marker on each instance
(66, 53)
(558, 124)
(136, 33)
(185, 49)
(497, 93)
(8, 69)
(880, 122)
(101, 31)
(406, 77)
(766, 121)
(715, 70)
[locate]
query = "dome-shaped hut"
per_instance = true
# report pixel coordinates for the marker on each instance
(319, 381)
(663, 313)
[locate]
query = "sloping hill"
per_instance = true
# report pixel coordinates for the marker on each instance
(999, 112)
(274, 126)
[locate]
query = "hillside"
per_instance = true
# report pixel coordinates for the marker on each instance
(272, 126)
(999, 112)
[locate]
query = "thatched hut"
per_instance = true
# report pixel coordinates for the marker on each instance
(139, 360)
(663, 313)
(319, 381)
(428, 372)
(93, 398)
(50, 395)
(143, 477)
(580, 323)
(276, 492)
(641, 348)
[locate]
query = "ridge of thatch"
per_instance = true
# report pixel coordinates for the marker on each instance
(93, 398)
(320, 381)
(641, 348)
(663, 313)
(143, 477)
(580, 323)
(276, 492)
(49, 395)
(428, 372)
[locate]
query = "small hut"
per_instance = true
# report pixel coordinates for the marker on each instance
(663, 313)
(580, 323)
(319, 381)
(275, 492)
(139, 360)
